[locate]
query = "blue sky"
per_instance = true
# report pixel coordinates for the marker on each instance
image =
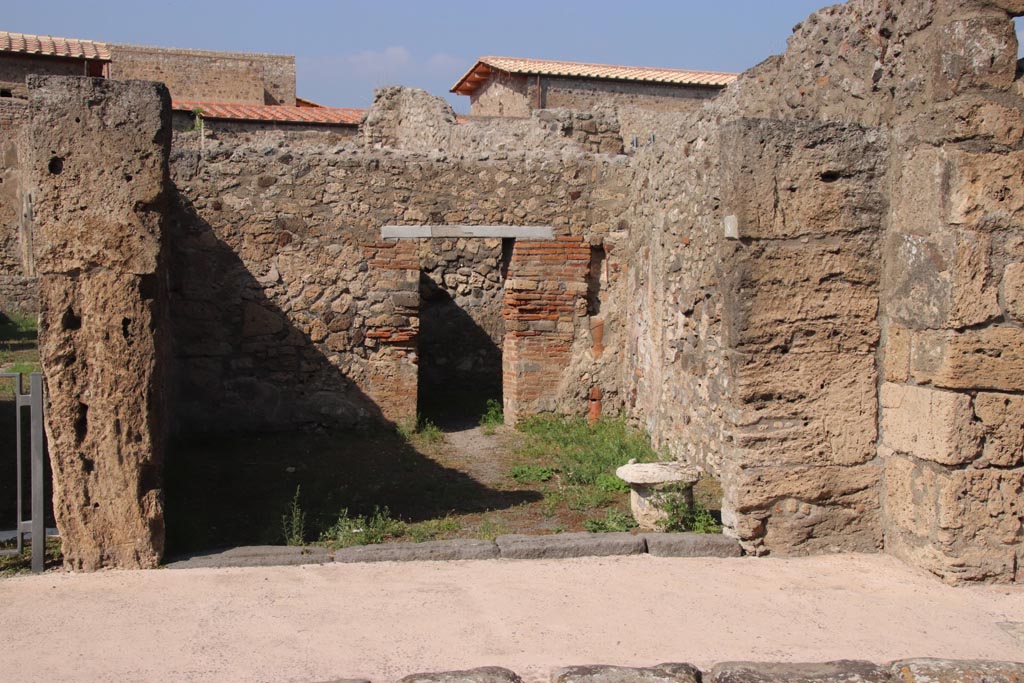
(345, 49)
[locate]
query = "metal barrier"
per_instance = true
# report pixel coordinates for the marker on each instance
(36, 526)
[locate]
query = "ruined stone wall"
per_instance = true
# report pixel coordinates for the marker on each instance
(102, 326)
(280, 320)
(207, 75)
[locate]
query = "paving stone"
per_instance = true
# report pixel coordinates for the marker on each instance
(845, 671)
(526, 547)
(457, 549)
(600, 673)
(255, 556)
(692, 545)
(484, 674)
(926, 670)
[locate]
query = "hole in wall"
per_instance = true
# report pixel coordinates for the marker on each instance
(81, 423)
(4, 92)
(70, 320)
(55, 166)
(595, 279)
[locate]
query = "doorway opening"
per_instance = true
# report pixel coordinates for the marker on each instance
(461, 328)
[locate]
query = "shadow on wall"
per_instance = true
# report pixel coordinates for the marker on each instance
(460, 363)
(258, 411)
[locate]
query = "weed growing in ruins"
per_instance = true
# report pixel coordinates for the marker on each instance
(614, 520)
(421, 429)
(493, 417)
(293, 522)
(531, 474)
(11, 565)
(377, 527)
(685, 517)
(490, 528)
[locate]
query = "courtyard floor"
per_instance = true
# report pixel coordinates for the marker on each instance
(383, 621)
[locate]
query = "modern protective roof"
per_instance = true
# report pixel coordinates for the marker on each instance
(51, 46)
(547, 67)
(272, 112)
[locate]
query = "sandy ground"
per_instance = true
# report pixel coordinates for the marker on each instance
(383, 621)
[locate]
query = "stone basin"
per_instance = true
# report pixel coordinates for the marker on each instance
(650, 482)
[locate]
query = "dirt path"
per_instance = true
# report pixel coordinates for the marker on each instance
(384, 621)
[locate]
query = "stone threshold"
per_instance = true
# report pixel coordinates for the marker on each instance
(508, 547)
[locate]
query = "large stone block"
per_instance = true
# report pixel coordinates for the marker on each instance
(976, 52)
(848, 671)
(98, 155)
(801, 510)
(783, 295)
(929, 423)
(790, 179)
(986, 190)
(989, 358)
(962, 525)
(1013, 290)
(802, 408)
(1002, 421)
(941, 279)
(928, 670)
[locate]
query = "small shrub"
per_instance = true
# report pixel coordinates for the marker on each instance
(614, 520)
(611, 483)
(685, 517)
(430, 432)
(293, 522)
(493, 417)
(530, 474)
(378, 527)
(491, 528)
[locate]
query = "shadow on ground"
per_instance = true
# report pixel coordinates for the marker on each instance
(227, 492)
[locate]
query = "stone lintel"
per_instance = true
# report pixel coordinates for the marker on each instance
(527, 232)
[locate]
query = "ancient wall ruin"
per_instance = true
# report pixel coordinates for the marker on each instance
(810, 287)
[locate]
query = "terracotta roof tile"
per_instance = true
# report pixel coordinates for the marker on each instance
(547, 67)
(272, 113)
(53, 47)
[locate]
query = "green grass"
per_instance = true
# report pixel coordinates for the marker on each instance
(583, 454)
(11, 565)
(532, 474)
(576, 461)
(613, 520)
(18, 327)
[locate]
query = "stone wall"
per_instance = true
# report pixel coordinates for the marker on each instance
(18, 286)
(281, 319)
(102, 325)
(587, 94)
(840, 216)
(207, 75)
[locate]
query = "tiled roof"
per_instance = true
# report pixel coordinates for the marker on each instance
(546, 67)
(272, 113)
(53, 47)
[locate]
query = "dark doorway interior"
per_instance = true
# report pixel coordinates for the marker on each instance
(461, 328)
